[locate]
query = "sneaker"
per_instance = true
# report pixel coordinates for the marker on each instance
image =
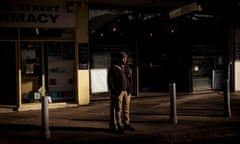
(112, 130)
(120, 130)
(129, 128)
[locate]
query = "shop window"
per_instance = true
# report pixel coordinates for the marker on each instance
(60, 70)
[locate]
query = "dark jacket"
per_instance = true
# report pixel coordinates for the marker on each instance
(115, 79)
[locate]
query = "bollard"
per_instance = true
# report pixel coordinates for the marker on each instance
(112, 122)
(45, 118)
(227, 109)
(173, 114)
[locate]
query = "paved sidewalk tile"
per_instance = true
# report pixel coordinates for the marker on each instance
(198, 117)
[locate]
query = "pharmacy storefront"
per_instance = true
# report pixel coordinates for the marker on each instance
(41, 44)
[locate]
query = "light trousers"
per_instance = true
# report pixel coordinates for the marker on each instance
(120, 109)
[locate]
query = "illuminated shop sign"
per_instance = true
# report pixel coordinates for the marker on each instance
(40, 15)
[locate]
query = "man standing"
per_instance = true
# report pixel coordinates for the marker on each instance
(121, 87)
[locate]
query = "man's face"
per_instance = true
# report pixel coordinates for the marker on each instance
(124, 60)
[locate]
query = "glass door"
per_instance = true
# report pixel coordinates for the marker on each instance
(30, 71)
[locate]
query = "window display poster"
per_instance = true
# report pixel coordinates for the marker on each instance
(28, 54)
(99, 80)
(83, 55)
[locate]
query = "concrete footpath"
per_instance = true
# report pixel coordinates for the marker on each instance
(200, 119)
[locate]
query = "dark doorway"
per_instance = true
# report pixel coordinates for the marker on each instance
(8, 73)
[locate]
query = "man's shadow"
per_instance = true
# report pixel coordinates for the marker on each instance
(30, 131)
